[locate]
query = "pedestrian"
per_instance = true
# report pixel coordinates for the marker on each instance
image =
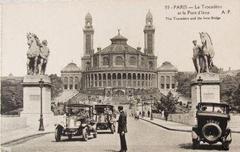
(122, 128)
(148, 113)
(166, 114)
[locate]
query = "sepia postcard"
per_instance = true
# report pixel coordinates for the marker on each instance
(118, 76)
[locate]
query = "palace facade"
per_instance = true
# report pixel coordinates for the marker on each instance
(119, 68)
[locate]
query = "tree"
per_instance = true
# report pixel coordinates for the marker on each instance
(11, 95)
(167, 103)
(57, 85)
(184, 83)
(230, 91)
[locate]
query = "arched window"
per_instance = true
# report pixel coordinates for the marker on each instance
(168, 82)
(71, 83)
(65, 82)
(119, 60)
(133, 60)
(150, 64)
(142, 61)
(76, 83)
(105, 60)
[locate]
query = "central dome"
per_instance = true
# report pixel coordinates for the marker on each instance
(71, 67)
(119, 45)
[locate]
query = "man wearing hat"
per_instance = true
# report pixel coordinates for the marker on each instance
(122, 128)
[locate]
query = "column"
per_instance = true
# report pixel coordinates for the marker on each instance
(68, 83)
(121, 79)
(131, 84)
(170, 83)
(94, 80)
(165, 82)
(102, 79)
(106, 79)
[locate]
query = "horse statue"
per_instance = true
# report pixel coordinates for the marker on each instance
(202, 55)
(37, 55)
(208, 52)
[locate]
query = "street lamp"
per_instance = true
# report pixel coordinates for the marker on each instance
(142, 107)
(89, 99)
(41, 127)
(151, 116)
(200, 80)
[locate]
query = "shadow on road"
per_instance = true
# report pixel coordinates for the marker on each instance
(110, 150)
(104, 132)
(76, 139)
(201, 147)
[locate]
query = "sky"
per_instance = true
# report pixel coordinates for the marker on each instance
(61, 24)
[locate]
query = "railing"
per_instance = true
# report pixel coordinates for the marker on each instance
(120, 68)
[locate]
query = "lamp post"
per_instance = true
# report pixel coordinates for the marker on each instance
(151, 116)
(89, 99)
(142, 107)
(41, 127)
(200, 80)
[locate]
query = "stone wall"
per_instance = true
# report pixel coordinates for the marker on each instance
(9, 123)
(186, 118)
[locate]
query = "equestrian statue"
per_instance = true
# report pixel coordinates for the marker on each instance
(203, 55)
(37, 55)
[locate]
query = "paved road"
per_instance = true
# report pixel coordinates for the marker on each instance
(142, 137)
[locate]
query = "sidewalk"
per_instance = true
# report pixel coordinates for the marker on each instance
(8, 137)
(173, 126)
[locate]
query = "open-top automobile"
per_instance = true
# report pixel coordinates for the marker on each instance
(105, 117)
(78, 121)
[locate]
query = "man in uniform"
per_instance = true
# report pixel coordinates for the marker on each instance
(122, 128)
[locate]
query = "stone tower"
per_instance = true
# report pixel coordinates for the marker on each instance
(149, 31)
(88, 32)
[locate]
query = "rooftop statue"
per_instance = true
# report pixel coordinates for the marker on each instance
(37, 55)
(203, 54)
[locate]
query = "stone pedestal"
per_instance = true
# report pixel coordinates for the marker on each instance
(210, 89)
(32, 100)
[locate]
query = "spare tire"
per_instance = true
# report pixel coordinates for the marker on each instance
(211, 132)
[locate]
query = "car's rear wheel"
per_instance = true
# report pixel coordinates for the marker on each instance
(69, 137)
(195, 144)
(95, 135)
(112, 129)
(58, 134)
(85, 134)
(225, 146)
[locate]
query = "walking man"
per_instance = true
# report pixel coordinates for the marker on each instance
(122, 128)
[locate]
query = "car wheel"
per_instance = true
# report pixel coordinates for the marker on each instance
(85, 134)
(57, 134)
(69, 137)
(225, 146)
(112, 129)
(95, 135)
(195, 144)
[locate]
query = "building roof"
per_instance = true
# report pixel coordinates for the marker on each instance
(149, 15)
(71, 67)
(88, 16)
(167, 66)
(119, 45)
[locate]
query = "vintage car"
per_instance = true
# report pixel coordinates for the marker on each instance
(105, 117)
(78, 121)
(212, 125)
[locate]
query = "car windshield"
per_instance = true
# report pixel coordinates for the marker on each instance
(77, 111)
(213, 108)
(104, 110)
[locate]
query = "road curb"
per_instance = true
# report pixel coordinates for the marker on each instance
(24, 138)
(171, 129)
(180, 130)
